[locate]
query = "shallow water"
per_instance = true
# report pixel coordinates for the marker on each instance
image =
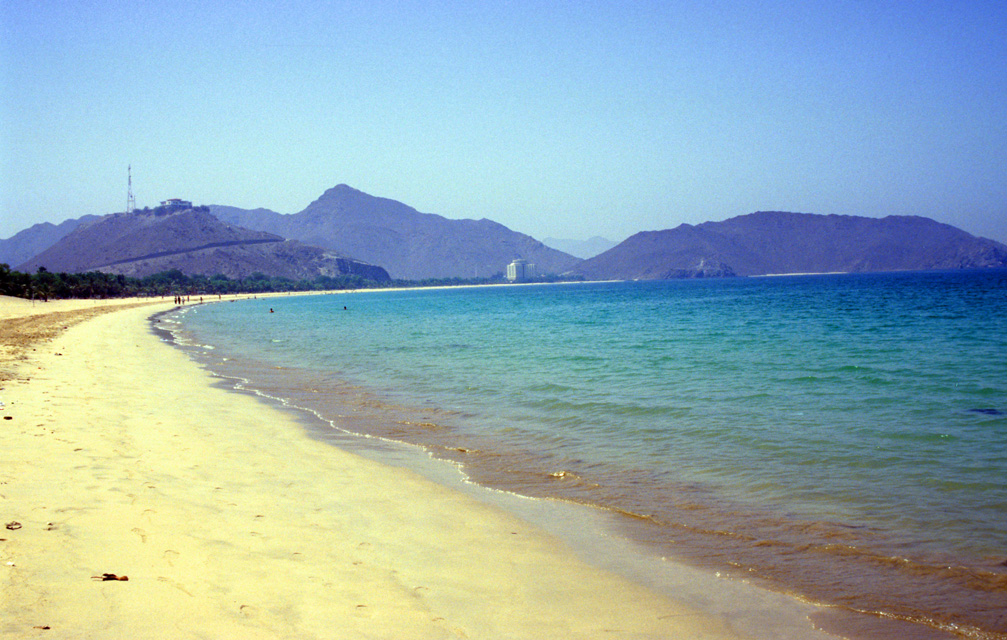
(841, 437)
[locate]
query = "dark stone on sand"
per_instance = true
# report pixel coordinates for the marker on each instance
(107, 577)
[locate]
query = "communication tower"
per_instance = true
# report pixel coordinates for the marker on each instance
(130, 200)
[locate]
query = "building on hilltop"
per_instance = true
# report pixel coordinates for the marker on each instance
(520, 270)
(173, 204)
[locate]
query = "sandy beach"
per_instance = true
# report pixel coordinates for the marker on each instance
(121, 457)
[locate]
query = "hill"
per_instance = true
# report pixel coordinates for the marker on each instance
(26, 244)
(192, 241)
(409, 244)
(770, 242)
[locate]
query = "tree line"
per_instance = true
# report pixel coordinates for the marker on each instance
(44, 284)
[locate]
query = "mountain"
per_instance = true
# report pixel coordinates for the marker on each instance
(26, 244)
(580, 248)
(409, 244)
(193, 241)
(769, 242)
(414, 245)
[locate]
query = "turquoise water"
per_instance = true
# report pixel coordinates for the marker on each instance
(842, 436)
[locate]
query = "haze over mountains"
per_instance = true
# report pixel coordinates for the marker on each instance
(32, 241)
(409, 244)
(583, 249)
(193, 241)
(346, 231)
(775, 242)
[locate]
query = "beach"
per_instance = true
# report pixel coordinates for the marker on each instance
(220, 517)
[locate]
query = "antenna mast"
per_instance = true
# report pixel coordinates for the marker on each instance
(130, 200)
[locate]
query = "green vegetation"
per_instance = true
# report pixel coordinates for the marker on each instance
(95, 284)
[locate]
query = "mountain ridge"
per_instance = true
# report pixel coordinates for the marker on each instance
(344, 221)
(780, 242)
(28, 243)
(194, 242)
(409, 244)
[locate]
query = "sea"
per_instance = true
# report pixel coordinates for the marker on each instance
(841, 438)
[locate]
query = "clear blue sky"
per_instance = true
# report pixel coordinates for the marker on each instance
(565, 119)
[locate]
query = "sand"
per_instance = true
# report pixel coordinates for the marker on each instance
(122, 457)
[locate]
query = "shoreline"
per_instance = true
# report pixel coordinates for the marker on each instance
(123, 457)
(596, 533)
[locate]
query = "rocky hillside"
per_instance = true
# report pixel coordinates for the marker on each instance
(193, 241)
(409, 244)
(26, 244)
(769, 242)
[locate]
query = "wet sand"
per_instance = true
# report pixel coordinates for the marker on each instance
(122, 457)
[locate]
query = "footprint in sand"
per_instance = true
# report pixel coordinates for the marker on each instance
(360, 611)
(363, 546)
(249, 611)
(176, 585)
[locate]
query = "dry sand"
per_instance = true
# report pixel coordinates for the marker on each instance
(120, 456)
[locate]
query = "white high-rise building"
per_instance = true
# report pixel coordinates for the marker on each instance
(520, 271)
